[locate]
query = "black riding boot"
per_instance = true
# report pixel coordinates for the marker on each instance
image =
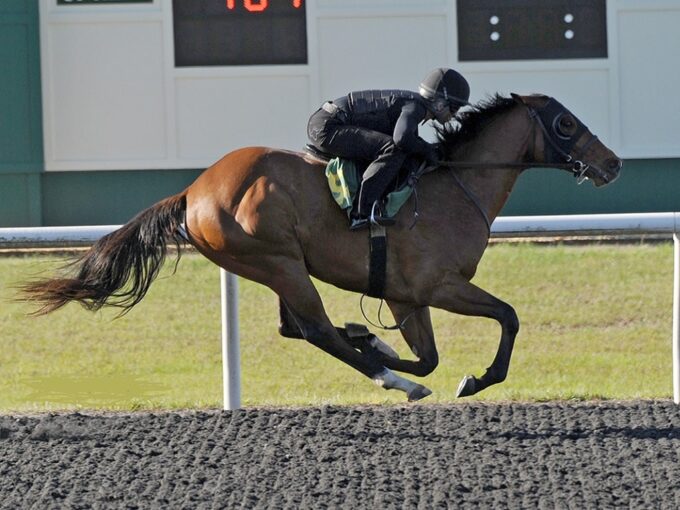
(377, 178)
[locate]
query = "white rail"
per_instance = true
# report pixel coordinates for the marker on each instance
(506, 227)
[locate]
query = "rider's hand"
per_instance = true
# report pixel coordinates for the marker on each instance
(432, 155)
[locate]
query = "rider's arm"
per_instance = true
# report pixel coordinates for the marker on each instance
(406, 130)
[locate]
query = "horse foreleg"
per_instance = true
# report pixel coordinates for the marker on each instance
(466, 298)
(418, 334)
(303, 307)
(287, 325)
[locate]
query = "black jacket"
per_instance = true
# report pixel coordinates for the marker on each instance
(392, 112)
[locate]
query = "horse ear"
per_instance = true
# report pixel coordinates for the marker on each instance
(519, 99)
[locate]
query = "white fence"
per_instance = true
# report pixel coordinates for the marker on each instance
(506, 227)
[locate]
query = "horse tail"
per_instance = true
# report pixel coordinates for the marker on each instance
(119, 268)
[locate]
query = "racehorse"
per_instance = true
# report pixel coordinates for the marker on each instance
(266, 215)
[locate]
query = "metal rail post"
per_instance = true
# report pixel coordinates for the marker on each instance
(231, 363)
(676, 318)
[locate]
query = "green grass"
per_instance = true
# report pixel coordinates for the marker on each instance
(596, 323)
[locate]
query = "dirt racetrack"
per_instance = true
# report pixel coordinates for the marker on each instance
(553, 455)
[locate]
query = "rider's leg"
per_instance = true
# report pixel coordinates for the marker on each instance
(366, 145)
(379, 175)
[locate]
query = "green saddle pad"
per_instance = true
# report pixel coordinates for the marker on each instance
(344, 185)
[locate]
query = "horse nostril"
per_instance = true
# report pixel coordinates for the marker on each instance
(615, 164)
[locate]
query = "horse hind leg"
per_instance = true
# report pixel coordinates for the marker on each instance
(356, 335)
(359, 337)
(302, 306)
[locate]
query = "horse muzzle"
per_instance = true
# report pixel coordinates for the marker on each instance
(606, 173)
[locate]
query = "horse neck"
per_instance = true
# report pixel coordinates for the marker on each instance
(504, 140)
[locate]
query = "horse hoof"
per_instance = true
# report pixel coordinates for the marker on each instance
(418, 392)
(466, 387)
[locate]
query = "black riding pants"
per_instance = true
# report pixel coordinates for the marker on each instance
(330, 134)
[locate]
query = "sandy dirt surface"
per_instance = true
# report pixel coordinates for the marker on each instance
(553, 455)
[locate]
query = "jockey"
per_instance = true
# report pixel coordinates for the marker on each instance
(381, 127)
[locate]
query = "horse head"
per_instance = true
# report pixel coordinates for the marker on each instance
(568, 143)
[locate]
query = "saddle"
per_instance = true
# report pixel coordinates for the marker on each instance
(344, 181)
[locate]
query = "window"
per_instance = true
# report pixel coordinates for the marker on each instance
(531, 29)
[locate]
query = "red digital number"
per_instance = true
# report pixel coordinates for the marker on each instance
(253, 6)
(258, 5)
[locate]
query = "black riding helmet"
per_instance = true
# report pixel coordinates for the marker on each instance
(445, 87)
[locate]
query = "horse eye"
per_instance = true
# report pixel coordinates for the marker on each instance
(567, 126)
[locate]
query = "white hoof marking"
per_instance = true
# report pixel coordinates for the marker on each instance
(391, 381)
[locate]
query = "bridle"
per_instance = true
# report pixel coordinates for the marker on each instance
(561, 144)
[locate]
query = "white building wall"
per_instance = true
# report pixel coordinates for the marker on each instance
(648, 70)
(113, 99)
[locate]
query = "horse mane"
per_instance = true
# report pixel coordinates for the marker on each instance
(472, 121)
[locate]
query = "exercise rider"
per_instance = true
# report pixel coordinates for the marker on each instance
(380, 127)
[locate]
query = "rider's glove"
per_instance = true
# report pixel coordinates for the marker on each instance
(432, 154)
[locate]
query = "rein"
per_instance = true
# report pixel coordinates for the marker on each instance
(502, 164)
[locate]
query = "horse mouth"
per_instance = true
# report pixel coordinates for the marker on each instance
(602, 177)
(604, 180)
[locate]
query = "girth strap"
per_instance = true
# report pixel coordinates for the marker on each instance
(377, 265)
(473, 198)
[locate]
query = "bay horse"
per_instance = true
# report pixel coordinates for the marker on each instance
(267, 215)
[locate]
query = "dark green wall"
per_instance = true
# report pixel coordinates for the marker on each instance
(21, 155)
(644, 186)
(106, 198)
